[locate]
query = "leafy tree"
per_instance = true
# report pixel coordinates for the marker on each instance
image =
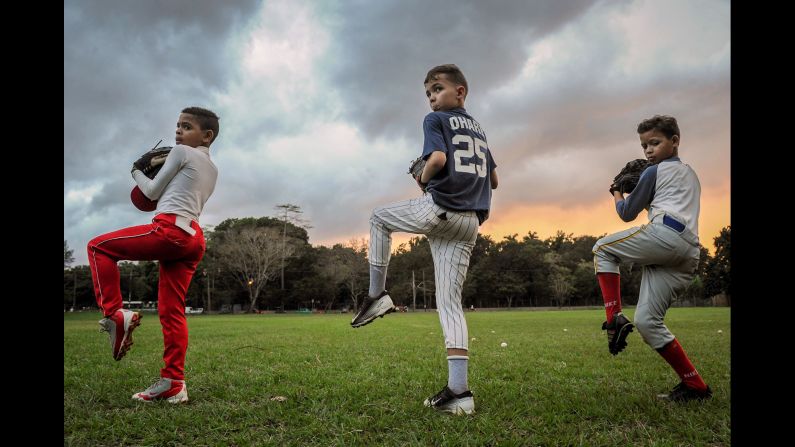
(346, 266)
(586, 287)
(78, 288)
(67, 255)
(253, 255)
(511, 285)
(289, 214)
(478, 286)
(533, 252)
(514, 271)
(250, 250)
(560, 278)
(412, 257)
(718, 276)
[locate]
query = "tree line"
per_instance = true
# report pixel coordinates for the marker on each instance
(267, 263)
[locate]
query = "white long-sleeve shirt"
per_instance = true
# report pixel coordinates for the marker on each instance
(184, 184)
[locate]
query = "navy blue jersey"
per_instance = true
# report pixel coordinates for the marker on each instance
(464, 183)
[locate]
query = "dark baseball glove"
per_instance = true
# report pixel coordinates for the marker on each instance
(152, 161)
(626, 180)
(417, 165)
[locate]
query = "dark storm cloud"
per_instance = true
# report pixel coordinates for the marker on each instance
(130, 64)
(321, 103)
(129, 67)
(582, 100)
(387, 48)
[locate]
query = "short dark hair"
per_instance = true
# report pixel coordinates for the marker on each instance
(207, 119)
(664, 123)
(451, 70)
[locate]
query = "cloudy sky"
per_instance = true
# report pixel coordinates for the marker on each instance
(321, 103)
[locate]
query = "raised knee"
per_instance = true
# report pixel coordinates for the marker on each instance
(646, 325)
(597, 246)
(92, 244)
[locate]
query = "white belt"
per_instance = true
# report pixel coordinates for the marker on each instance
(184, 223)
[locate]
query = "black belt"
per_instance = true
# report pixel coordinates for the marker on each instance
(673, 224)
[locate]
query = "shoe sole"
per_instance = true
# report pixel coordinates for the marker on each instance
(621, 339)
(382, 310)
(176, 399)
(180, 400)
(135, 321)
(667, 398)
(458, 409)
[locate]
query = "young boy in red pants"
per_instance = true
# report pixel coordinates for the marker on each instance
(174, 238)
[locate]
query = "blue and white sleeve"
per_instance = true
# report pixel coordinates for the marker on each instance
(640, 198)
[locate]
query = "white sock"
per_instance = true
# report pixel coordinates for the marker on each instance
(377, 279)
(457, 366)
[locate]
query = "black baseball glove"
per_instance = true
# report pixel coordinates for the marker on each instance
(152, 161)
(626, 180)
(417, 165)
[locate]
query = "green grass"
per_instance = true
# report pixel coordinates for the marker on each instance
(366, 386)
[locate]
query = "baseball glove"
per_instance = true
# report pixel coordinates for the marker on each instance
(626, 180)
(152, 161)
(417, 165)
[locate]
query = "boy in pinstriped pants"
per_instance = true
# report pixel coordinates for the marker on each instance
(457, 181)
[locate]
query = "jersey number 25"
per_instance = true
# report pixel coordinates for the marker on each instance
(473, 146)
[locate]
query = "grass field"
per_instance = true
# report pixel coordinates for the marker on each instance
(366, 386)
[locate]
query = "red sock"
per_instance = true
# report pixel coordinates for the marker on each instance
(610, 283)
(676, 357)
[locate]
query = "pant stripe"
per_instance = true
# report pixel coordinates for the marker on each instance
(451, 241)
(178, 253)
(95, 266)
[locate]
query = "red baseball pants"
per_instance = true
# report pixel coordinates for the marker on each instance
(178, 253)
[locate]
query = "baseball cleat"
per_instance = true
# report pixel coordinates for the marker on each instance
(170, 390)
(373, 308)
(617, 332)
(449, 402)
(119, 327)
(683, 393)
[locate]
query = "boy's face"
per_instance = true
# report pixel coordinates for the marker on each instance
(190, 133)
(657, 147)
(443, 94)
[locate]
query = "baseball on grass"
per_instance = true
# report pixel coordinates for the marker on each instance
(503, 344)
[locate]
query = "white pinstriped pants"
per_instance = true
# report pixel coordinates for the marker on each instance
(452, 236)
